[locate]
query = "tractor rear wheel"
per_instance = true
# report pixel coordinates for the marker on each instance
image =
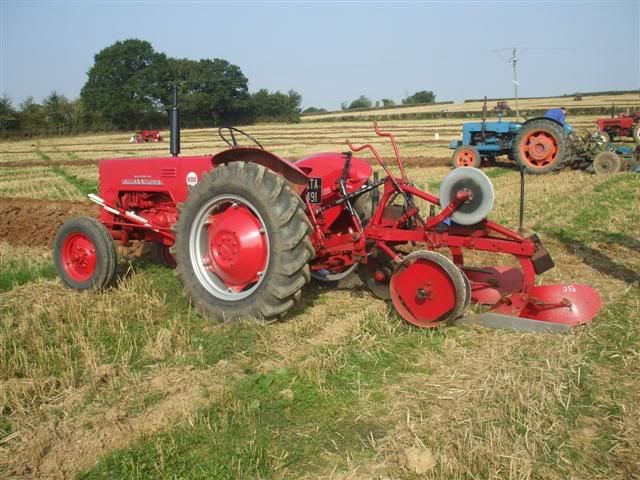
(466, 156)
(635, 133)
(84, 254)
(541, 146)
(242, 243)
(607, 163)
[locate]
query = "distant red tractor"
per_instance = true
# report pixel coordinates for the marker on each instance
(144, 136)
(248, 229)
(624, 125)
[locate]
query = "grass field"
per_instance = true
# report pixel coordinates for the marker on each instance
(133, 383)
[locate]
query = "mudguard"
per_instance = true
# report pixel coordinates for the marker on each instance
(288, 170)
(328, 166)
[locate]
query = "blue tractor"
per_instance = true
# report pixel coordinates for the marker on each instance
(540, 144)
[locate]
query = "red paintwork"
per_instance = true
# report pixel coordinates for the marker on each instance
(489, 285)
(571, 305)
(151, 188)
(78, 255)
(238, 249)
(329, 166)
(619, 126)
(144, 136)
(438, 288)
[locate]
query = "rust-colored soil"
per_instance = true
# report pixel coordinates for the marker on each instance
(30, 222)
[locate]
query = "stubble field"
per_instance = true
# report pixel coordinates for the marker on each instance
(132, 383)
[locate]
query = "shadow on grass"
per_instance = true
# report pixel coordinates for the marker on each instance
(597, 259)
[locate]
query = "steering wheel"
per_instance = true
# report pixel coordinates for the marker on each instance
(234, 142)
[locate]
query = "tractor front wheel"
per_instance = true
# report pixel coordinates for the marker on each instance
(84, 254)
(466, 156)
(607, 163)
(242, 243)
(541, 146)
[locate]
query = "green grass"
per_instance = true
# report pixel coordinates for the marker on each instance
(84, 187)
(19, 272)
(270, 422)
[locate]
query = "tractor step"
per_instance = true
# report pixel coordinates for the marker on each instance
(508, 322)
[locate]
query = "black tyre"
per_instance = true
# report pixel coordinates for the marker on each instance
(607, 163)
(161, 254)
(466, 156)
(541, 146)
(84, 254)
(242, 243)
(635, 133)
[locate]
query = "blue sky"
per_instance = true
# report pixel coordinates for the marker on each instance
(333, 52)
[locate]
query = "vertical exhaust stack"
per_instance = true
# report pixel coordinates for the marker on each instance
(174, 125)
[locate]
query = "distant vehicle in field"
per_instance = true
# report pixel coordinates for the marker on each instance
(577, 98)
(502, 107)
(623, 125)
(144, 136)
(540, 144)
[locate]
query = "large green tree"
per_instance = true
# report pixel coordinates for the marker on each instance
(59, 113)
(423, 96)
(8, 115)
(276, 106)
(128, 84)
(212, 91)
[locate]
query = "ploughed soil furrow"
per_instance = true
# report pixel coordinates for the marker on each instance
(30, 222)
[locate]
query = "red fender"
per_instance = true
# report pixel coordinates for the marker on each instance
(285, 168)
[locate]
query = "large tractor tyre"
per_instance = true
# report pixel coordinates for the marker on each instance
(607, 163)
(84, 254)
(242, 243)
(635, 133)
(466, 156)
(541, 146)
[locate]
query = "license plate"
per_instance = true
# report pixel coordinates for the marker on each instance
(314, 190)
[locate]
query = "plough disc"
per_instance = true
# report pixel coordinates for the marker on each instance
(489, 284)
(570, 305)
(427, 289)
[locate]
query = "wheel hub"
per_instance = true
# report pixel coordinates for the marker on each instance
(427, 289)
(541, 148)
(79, 257)
(237, 250)
(465, 158)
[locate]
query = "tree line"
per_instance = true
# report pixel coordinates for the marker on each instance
(129, 87)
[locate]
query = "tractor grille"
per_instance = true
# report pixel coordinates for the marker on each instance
(168, 172)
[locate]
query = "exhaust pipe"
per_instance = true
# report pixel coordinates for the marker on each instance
(174, 125)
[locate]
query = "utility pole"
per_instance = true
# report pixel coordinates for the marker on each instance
(515, 80)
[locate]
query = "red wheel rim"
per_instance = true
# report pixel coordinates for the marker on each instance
(78, 255)
(229, 247)
(423, 293)
(539, 149)
(465, 158)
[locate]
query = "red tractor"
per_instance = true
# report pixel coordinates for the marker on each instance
(248, 229)
(624, 125)
(144, 136)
